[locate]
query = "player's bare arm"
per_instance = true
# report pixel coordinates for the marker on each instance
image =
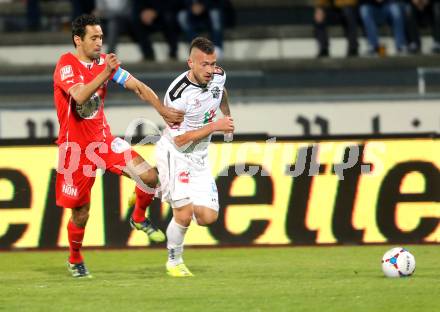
(224, 105)
(225, 124)
(82, 93)
(145, 93)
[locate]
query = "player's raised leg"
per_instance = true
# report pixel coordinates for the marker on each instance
(147, 179)
(176, 231)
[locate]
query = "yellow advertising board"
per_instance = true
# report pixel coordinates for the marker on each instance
(287, 192)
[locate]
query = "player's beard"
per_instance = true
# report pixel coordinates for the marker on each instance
(202, 81)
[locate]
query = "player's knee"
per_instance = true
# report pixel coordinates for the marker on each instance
(183, 219)
(206, 221)
(206, 218)
(80, 217)
(183, 215)
(150, 177)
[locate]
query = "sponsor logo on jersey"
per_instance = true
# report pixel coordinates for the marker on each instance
(89, 109)
(215, 92)
(209, 116)
(183, 177)
(66, 72)
(70, 190)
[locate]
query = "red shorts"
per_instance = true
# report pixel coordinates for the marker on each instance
(77, 169)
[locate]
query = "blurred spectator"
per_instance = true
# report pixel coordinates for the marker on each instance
(338, 11)
(80, 7)
(197, 15)
(229, 18)
(116, 15)
(422, 13)
(33, 15)
(155, 15)
(375, 13)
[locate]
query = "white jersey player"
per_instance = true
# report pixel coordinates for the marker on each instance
(182, 152)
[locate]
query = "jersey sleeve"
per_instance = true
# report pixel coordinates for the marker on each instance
(67, 75)
(180, 104)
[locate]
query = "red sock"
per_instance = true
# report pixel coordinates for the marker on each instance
(143, 200)
(75, 235)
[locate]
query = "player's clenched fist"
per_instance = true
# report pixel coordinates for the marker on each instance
(225, 124)
(112, 62)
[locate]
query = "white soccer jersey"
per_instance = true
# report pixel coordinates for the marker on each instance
(185, 174)
(200, 105)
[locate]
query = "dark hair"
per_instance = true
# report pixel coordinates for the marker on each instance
(203, 44)
(79, 25)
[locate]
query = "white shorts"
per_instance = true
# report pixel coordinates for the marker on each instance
(185, 178)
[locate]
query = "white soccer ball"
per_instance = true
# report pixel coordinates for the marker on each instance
(398, 262)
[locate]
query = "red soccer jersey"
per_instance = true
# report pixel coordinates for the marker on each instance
(85, 123)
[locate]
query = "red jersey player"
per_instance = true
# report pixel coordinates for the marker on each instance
(85, 141)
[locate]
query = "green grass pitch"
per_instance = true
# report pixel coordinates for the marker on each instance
(230, 279)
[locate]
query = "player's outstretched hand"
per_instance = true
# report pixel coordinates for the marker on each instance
(225, 124)
(112, 62)
(172, 115)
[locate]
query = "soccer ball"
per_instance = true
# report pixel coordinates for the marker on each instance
(398, 262)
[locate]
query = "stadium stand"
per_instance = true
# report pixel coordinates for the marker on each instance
(254, 19)
(274, 29)
(265, 32)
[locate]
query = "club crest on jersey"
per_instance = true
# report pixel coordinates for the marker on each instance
(66, 72)
(119, 145)
(215, 92)
(89, 109)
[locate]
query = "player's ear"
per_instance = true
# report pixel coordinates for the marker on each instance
(190, 63)
(77, 40)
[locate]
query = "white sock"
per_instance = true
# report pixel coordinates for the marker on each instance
(175, 236)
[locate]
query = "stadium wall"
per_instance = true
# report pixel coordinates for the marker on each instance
(274, 118)
(358, 190)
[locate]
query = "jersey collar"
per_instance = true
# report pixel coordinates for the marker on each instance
(195, 84)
